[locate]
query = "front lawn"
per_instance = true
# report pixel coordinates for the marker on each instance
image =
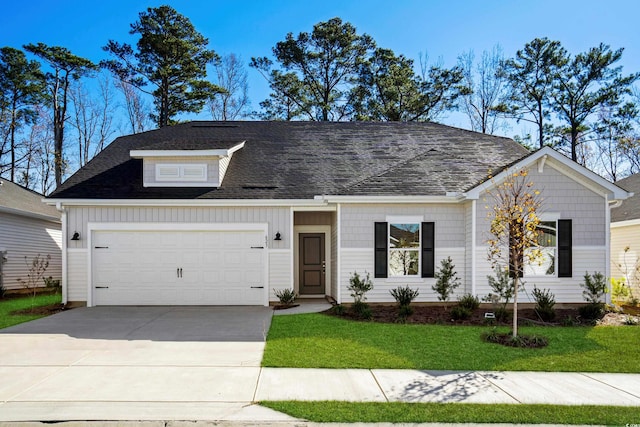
(320, 341)
(9, 305)
(397, 412)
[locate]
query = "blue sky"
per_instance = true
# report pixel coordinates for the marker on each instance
(443, 29)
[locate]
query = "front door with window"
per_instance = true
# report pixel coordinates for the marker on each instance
(312, 264)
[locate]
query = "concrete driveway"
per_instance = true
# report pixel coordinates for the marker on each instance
(138, 362)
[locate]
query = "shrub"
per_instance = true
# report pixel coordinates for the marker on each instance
(404, 295)
(469, 301)
(286, 296)
(50, 282)
(545, 300)
(502, 314)
(37, 267)
(595, 286)
(362, 310)
(502, 286)
(459, 312)
(593, 311)
(447, 279)
(620, 292)
(522, 341)
(405, 311)
(359, 287)
(338, 309)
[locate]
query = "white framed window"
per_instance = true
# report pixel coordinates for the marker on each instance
(404, 248)
(181, 172)
(547, 243)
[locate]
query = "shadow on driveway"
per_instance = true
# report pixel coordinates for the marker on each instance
(182, 323)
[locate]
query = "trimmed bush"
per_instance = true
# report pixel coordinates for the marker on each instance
(545, 300)
(404, 295)
(469, 301)
(286, 296)
(459, 312)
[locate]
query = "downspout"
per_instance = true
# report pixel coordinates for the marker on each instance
(63, 220)
(608, 206)
(338, 297)
(473, 246)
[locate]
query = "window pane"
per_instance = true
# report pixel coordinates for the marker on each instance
(403, 263)
(547, 234)
(404, 235)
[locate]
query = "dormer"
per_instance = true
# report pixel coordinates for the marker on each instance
(191, 165)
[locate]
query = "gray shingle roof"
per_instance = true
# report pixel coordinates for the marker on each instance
(630, 208)
(298, 160)
(14, 197)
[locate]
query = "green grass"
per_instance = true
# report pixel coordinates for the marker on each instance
(396, 412)
(14, 304)
(321, 341)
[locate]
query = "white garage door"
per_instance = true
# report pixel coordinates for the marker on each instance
(178, 268)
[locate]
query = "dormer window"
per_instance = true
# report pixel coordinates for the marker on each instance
(186, 167)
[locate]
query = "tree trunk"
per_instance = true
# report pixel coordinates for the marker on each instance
(516, 283)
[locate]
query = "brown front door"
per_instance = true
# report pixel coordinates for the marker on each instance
(312, 263)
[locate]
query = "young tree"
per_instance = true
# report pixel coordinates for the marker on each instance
(172, 57)
(531, 76)
(513, 226)
(21, 87)
(324, 62)
(233, 103)
(586, 83)
(66, 67)
(483, 101)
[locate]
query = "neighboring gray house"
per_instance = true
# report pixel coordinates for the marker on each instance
(625, 236)
(227, 212)
(28, 227)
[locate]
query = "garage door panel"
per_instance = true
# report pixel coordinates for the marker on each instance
(178, 268)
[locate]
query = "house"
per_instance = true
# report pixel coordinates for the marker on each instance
(227, 212)
(625, 236)
(28, 228)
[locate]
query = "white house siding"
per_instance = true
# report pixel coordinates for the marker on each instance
(77, 275)
(24, 236)
(278, 219)
(280, 274)
(149, 167)
(361, 261)
(564, 198)
(625, 264)
(357, 222)
(357, 254)
(334, 258)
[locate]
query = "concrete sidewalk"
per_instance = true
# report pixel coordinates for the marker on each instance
(228, 394)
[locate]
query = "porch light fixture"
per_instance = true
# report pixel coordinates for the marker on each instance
(278, 237)
(76, 236)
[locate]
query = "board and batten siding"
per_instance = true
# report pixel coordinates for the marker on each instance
(24, 236)
(277, 218)
(280, 274)
(625, 264)
(77, 274)
(357, 243)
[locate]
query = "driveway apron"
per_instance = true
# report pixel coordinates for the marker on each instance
(111, 357)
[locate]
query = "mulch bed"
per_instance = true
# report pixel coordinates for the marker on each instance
(45, 310)
(441, 315)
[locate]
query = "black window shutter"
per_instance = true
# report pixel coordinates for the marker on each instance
(380, 243)
(428, 253)
(565, 258)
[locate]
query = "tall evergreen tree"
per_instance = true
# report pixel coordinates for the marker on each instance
(531, 75)
(321, 68)
(21, 88)
(171, 57)
(586, 83)
(66, 67)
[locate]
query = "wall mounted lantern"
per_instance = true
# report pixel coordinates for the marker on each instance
(76, 236)
(278, 237)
